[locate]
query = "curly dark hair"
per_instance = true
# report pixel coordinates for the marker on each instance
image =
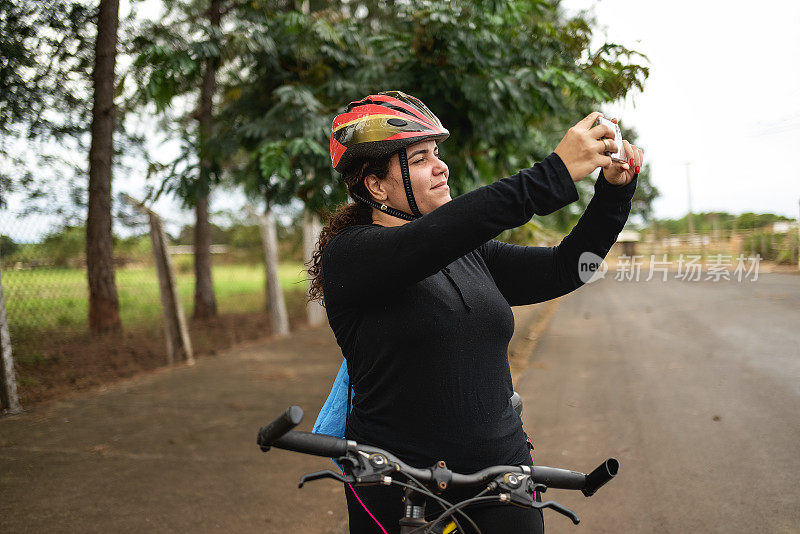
(350, 214)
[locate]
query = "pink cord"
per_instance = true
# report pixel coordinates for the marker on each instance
(367, 510)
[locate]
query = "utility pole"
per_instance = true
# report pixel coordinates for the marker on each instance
(689, 196)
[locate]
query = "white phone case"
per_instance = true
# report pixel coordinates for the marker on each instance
(619, 156)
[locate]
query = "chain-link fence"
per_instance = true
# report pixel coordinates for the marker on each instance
(46, 295)
(45, 283)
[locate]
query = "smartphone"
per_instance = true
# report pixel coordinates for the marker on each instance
(619, 156)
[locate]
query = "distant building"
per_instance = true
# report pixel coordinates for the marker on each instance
(628, 239)
(784, 227)
(189, 249)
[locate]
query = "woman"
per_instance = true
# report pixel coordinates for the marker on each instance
(418, 294)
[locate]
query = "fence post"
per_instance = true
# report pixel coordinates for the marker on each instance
(9, 401)
(178, 342)
(179, 345)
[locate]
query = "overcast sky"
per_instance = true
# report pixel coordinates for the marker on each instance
(723, 94)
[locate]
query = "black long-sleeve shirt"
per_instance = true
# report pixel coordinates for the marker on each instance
(422, 313)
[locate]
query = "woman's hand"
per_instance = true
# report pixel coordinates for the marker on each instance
(583, 150)
(622, 174)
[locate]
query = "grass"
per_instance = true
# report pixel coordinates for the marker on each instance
(56, 299)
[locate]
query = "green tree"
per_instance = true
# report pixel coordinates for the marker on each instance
(277, 109)
(179, 56)
(45, 56)
(507, 79)
(277, 119)
(7, 246)
(64, 247)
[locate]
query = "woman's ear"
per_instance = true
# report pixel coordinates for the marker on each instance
(376, 188)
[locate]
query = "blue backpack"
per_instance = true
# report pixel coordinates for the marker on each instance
(332, 417)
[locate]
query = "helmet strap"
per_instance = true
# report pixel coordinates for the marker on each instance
(403, 157)
(383, 207)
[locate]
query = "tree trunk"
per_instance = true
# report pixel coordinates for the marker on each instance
(311, 231)
(205, 304)
(9, 400)
(103, 301)
(276, 305)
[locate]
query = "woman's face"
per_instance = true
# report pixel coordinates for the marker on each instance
(428, 176)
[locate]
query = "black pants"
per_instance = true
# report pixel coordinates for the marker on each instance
(385, 507)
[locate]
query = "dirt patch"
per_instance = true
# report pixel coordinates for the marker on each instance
(59, 364)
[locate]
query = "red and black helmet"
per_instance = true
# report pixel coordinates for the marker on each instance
(380, 125)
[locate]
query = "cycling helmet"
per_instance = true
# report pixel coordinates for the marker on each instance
(378, 126)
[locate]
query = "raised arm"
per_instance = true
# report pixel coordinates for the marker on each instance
(367, 261)
(527, 275)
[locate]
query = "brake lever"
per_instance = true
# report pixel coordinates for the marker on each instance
(310, 477)
(563, 510)
(520, 490)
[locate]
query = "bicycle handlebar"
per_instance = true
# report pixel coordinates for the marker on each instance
(602, 474)
(268, 435)
(315, 444)
(279, 434)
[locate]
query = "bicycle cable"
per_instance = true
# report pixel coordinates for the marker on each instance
(457, 508)
(444, 503)
(448, 503)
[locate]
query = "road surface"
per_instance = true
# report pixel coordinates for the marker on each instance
(694, 386)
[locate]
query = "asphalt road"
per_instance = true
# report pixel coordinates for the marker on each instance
(693, 386)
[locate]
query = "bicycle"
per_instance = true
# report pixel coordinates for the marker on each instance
(514, 485)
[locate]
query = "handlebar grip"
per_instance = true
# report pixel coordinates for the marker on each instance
(556, 478)
(267, 435)
(604, 472)
(316, 444)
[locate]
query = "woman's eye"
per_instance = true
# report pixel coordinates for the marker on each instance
(418, 161)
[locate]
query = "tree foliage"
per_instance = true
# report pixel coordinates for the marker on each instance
(7, 246)
(170, 54)
(506, 78)
(277, 109)
(707, 222)
(45, 66)
(46, 58)
(45, 62)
